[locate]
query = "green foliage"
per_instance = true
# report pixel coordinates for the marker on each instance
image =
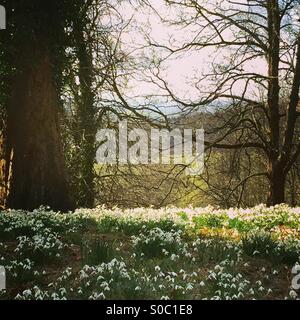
(215, 250)
(183, 216)
(261, 244)
(96, 251)
(127, 226)
(157, 243)
(288, 251)
(211, 221)
(242, 226)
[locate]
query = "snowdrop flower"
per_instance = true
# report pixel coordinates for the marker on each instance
(240, 295)
(189, 287)
(102, 295)
(293, 294)
(251, 291)
(27, 293)
(63, 291)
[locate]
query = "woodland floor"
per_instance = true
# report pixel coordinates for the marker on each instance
(168, 253)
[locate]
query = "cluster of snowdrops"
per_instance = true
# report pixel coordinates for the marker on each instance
(169, 253)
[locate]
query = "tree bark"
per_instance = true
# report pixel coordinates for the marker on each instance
(86, 120)
(276, 169)
(277, 179)
(34, 152)
(2, 168)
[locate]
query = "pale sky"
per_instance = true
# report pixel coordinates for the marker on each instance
(180, 69)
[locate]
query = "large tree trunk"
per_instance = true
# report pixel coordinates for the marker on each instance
(277, 184)
(276, 170)
(37, 169)
(2, 168)
(86, 120)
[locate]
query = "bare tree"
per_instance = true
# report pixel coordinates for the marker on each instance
(256, 109)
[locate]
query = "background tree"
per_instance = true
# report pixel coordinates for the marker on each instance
(257, 109)
(94, 58)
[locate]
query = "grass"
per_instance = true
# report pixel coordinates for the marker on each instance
(150, 254)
